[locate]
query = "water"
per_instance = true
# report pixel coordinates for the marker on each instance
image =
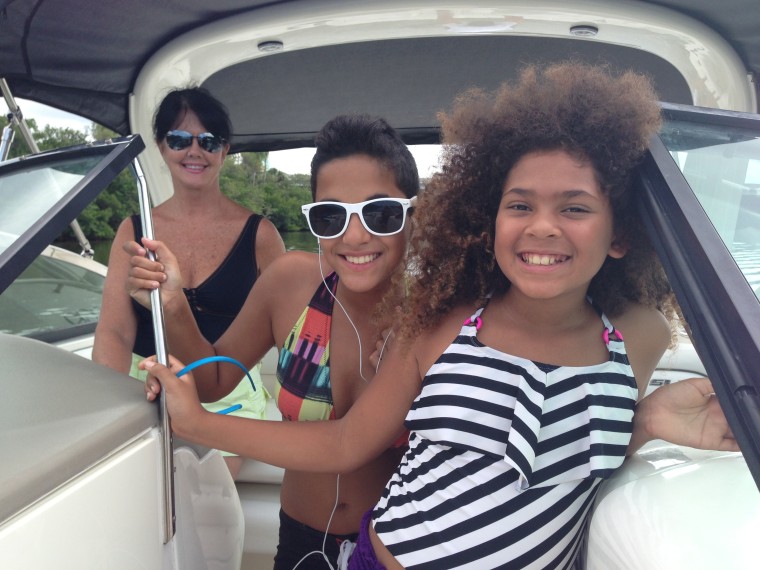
(303, 241)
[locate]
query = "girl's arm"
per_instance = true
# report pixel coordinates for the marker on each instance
(646, 334)
(372, 424)
(686, 412)
(117, 324)
(247, 339)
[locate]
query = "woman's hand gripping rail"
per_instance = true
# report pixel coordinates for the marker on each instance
(145, 275)
(182, 329)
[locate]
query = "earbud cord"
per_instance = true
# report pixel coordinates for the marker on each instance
(345, 312)
(327, 530)
(337, 481)
(382, 349)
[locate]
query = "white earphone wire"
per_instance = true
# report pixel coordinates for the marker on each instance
(327, 530)
(345, 312)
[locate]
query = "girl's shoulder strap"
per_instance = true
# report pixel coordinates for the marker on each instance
(610, 332)
(472, 324)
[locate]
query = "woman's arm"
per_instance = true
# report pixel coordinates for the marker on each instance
(117, 324)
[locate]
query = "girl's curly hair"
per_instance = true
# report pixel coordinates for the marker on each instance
(585, 110)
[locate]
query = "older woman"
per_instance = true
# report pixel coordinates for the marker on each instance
(221, 247)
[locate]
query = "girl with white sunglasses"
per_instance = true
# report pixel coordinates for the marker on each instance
(317, 309)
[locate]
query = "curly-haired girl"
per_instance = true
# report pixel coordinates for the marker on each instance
(509, 365)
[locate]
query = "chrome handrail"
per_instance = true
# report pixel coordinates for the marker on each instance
(159, 333)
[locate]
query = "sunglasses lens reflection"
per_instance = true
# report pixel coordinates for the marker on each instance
(180, 140)
(383, 216)
(176, 141)
(327, 220)
(209, 142)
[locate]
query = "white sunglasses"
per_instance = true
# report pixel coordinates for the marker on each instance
(380, 217)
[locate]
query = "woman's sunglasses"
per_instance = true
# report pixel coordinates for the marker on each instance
(180, 140)
(380, 217)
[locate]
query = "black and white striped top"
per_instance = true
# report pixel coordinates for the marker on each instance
(505, 458)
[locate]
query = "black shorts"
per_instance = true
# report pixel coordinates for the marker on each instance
(297, 540)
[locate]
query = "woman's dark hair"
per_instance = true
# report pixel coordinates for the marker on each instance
(210, 111)
(348, 135)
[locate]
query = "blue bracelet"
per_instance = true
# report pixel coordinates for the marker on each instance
(230, 409)
(197, 363)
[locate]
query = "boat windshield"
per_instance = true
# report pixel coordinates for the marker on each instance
(722, 165)
(26, 194)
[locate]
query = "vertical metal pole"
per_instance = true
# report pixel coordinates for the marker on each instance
(159, 333)
(18, 119)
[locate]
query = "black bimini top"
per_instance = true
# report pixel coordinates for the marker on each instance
(85, 57)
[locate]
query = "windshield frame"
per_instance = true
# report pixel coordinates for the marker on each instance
(116, 155)
(718, 304)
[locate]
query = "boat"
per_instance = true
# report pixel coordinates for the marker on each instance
(283, 68)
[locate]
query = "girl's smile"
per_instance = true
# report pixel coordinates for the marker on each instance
(362, 259)
(543, 259)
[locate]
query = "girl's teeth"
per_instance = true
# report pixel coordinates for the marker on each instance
(361, 259)
(534, 259)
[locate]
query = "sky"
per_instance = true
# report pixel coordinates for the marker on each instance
(45, 115)
(295, 161)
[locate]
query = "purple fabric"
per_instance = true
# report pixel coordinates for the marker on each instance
(363, 557)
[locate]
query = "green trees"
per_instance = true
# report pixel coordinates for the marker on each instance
(100, 219)
(276, 195)
(46, 139)
(244, 178)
